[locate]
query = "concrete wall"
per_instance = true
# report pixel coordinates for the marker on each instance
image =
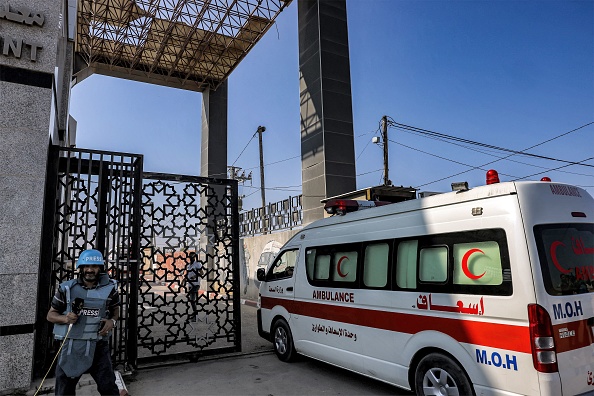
(257, 252)
(29, 35)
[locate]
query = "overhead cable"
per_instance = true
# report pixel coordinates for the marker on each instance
(467, 141)
(246, 146)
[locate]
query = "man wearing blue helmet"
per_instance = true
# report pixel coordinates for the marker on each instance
(84, 311)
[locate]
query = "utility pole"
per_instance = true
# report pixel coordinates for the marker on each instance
(241, 178)
(262, 189)
(387, 181)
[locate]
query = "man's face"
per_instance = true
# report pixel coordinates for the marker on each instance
(90, 273)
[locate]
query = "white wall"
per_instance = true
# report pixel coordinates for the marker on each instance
(254, 250)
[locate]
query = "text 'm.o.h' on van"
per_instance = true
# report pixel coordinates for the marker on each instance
(484, 291)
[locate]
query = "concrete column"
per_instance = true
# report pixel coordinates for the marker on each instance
(213, 156)
(29, 32)
(327, 143)
(213, 163)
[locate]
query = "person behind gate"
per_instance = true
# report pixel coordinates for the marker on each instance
(193, 278)
(84, 311)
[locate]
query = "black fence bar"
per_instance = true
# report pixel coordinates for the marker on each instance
(43, 346)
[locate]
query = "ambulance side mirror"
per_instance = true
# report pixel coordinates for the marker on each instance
(261, 274)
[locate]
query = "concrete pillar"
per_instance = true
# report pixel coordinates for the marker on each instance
(213, 156)
(29, 33)
(213, 163)
(327, 143)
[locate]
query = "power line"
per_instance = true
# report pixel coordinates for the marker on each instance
(361, 153)
(246, 146)
(553, 169)
(366, 173)
(490, 152)
(557, 137)
(472, 142)
(376, 130)
(437, 136)
(448, 159)
(277, 162)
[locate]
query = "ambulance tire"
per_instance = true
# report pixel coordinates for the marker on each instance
(436, 373)
(282, 340)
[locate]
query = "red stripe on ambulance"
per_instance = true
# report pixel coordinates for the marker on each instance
(493, 335)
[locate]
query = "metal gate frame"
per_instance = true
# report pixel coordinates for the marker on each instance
(91, 196)
(92, 201)
(184, 214)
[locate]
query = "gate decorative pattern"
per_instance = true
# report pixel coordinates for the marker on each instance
(94, 197)
(183, 215)
(146, 230)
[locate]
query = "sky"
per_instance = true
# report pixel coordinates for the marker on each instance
(507, 74)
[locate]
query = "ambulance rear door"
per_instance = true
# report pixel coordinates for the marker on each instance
(559, 221)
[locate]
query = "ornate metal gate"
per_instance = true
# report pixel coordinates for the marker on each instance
(146, 229)
(92, 201)
(183, 216)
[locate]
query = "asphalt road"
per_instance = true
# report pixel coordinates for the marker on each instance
(257, 371)
(256, 374)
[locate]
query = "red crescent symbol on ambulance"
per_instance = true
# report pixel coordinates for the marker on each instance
(553, 252)
(338, 267)
(465, 264)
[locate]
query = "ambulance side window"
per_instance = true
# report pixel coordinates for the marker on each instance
(284, 265)
(433, 264)
(322, 268)
(406, 264)
(310, 261)
(333, 266)
(376, 265)
(477, 263)
(345, 266)
(467, 262)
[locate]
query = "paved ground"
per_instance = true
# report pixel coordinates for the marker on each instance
(254, 371)
(258, 374)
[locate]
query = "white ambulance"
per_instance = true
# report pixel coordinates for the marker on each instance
(482, 291)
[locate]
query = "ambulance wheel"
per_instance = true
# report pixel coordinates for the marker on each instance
(439, 375)
(283, 341)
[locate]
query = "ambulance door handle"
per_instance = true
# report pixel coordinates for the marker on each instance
(290, 288)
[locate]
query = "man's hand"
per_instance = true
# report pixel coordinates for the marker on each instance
(70, 318)
(56, 317)
(107, 327)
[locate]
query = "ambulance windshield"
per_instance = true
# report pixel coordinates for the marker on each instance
(566, 253)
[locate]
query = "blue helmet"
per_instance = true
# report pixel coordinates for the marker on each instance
(90, 257)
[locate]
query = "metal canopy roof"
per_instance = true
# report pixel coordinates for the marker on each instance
(187, 44)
